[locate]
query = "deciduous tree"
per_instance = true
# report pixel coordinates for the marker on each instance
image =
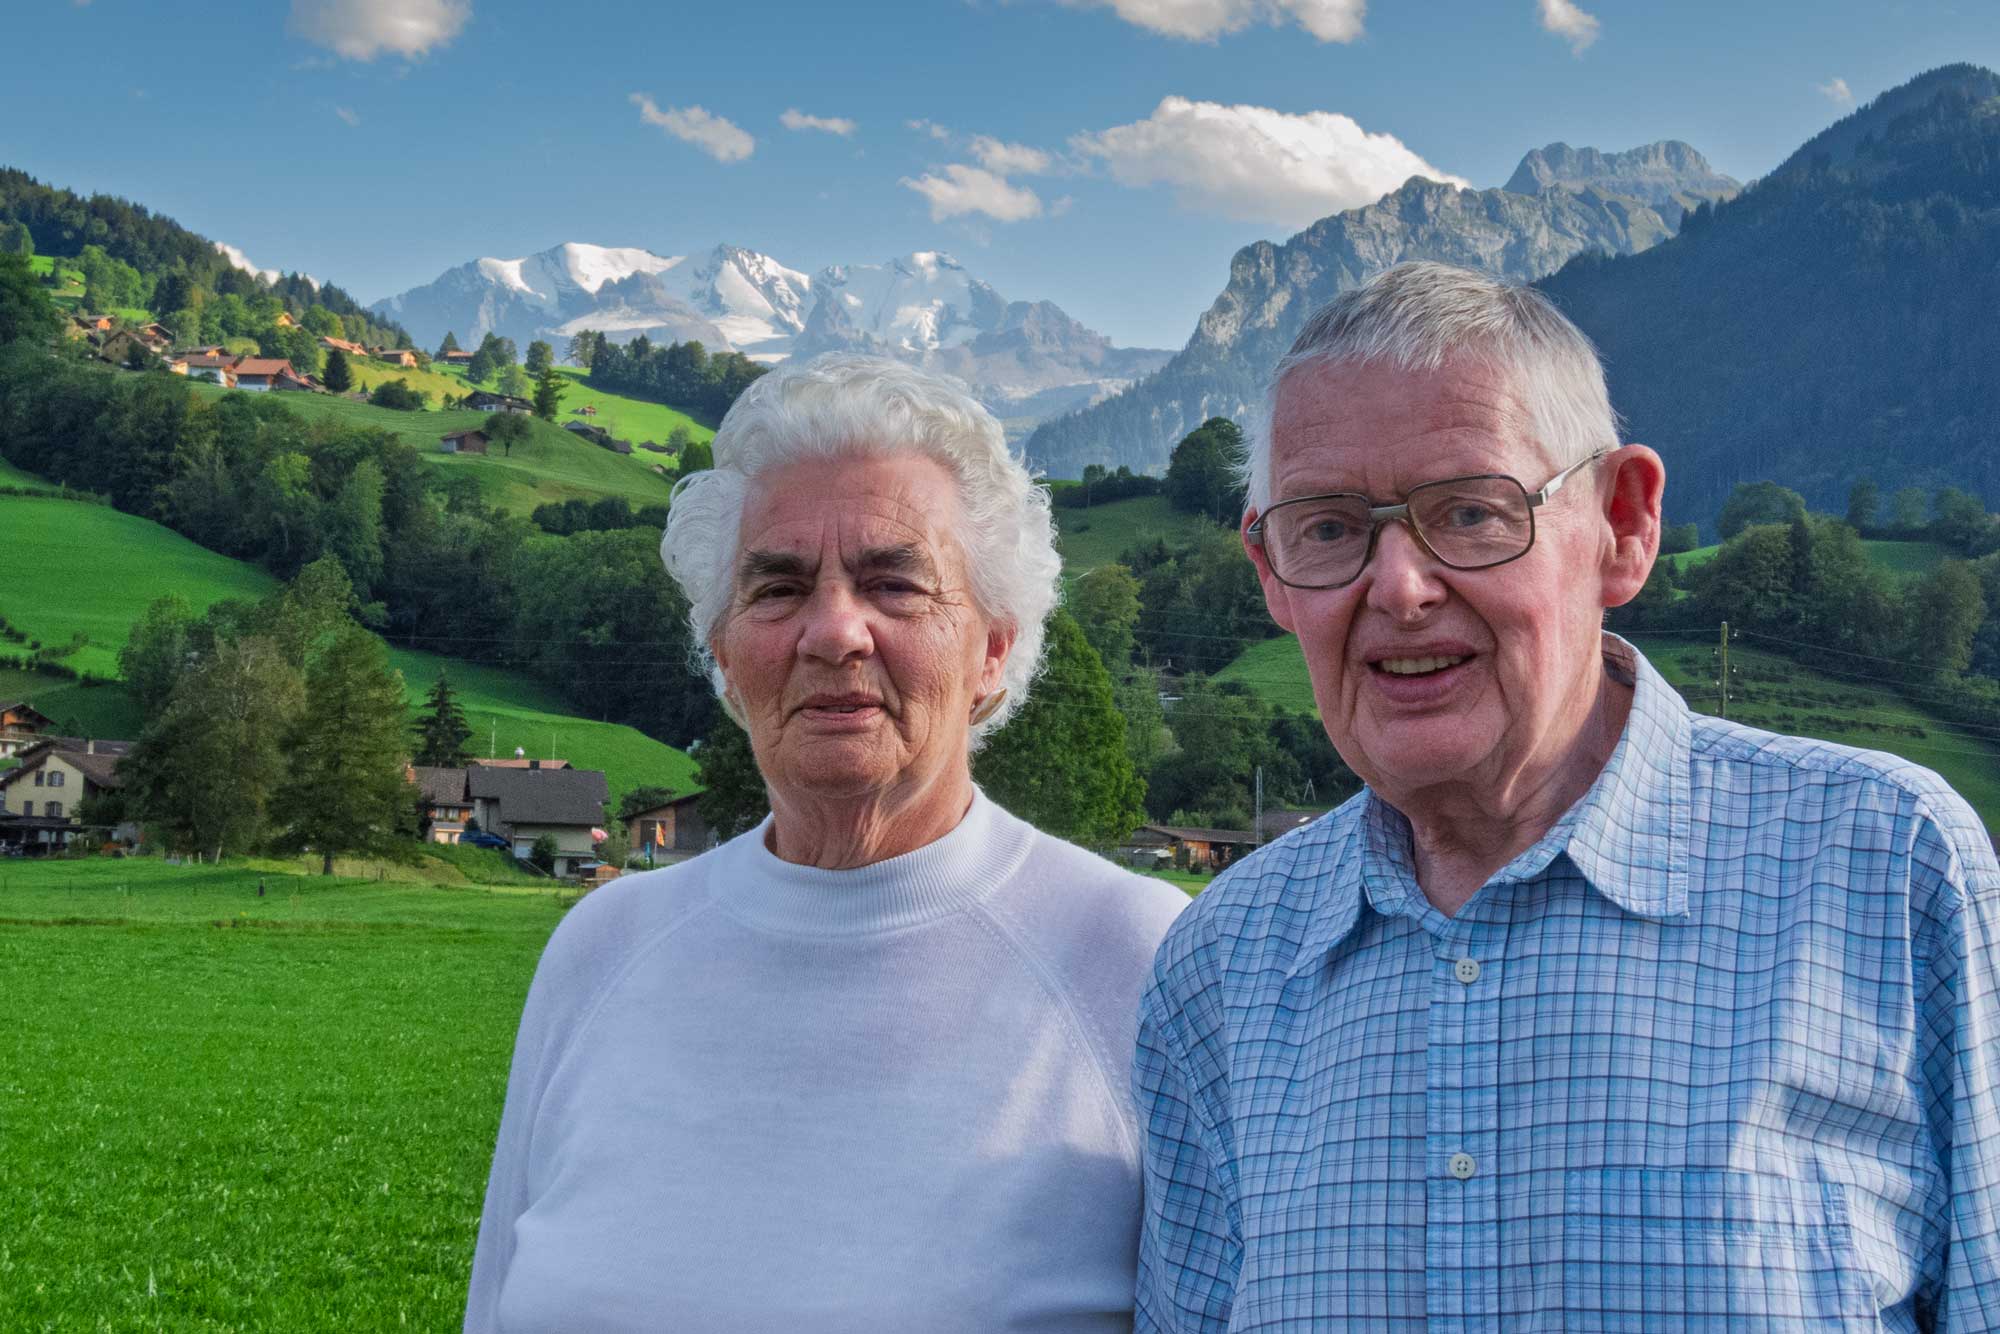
(540, 357)
(549, 389)
(1201, 477)
(344, 791)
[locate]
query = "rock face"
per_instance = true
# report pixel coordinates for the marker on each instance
(1561, 202)
(1026, 360)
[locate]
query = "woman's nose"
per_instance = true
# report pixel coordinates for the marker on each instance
(836, 627)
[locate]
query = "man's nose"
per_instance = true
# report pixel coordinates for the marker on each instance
(1403, 578)
(836, 628)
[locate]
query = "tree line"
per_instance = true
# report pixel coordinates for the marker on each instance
(686, 374)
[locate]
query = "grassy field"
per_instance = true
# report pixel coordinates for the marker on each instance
(1771, 692)
(131, 562)
(225, 1112)
(1101, 534)
(112, 566)
(1903, 557)
(551, 465)
(13, 476)
(628, 418)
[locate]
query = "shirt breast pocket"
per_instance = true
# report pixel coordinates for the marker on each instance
(1737, 1251)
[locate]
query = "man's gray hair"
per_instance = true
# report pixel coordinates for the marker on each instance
(1417, 316)
(846, 405)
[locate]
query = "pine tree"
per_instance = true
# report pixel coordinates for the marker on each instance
(337, 376)
(442, 730)
(450, 344)
(345, 790)
(549, 389)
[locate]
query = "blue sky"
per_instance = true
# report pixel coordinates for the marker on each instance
(1108, 155)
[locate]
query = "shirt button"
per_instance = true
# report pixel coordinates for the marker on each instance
(1463, 1165)
(1467, 971)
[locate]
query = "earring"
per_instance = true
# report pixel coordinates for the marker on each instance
(989, 706)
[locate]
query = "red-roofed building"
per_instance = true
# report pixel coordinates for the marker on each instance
(257, 374)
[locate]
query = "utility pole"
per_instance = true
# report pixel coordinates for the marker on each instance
(1722, 663)
(1257, 819)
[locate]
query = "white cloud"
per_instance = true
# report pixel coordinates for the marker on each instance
(1565, 20)
(1837, 92)
(364, 29)
(717, 136)
(930, 127)
(1206, 20)
(1004, 159)
(795, 119)
(963, 189)
(1257, 164)
(347, 114)
(242, 261)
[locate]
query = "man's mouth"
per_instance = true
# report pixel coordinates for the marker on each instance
(1419, 666)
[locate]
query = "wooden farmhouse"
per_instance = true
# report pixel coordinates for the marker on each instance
(456, 356)
(670, 831)
(342, 345)
(397, 356)
(261, 374)
(463, 442)
(482, 400)
(1189, 848)
(21, 726)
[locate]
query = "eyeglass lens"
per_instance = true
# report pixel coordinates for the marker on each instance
(1467, 522)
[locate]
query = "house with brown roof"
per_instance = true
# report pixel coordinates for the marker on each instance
(260, 374)
(483, 400)
(670, 831)
(40, 798)
(1189, 848)
(21, 726)
(116, 346)
(446, 807)
(396, 356)
(462, 442)
(456, 356)
(220, 368)
(342, 345)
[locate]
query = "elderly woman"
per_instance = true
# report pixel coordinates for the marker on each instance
(865, 1067)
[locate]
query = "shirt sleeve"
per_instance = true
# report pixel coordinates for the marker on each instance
(1190, 1248)
(1959, 1007)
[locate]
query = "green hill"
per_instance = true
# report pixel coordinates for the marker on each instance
(551, 465)
(121, 564)
(1097, 536)
(1906, 558)
(1771, 692)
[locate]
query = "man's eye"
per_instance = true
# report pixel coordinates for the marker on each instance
(1327, 530)
(1468, 514)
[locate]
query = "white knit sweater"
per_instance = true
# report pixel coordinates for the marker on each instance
(749, 1095)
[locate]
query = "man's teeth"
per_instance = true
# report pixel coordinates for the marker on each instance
(1417, 666)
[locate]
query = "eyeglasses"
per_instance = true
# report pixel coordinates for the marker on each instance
(1467, 523)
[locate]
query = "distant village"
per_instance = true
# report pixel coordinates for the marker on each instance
(55, 795)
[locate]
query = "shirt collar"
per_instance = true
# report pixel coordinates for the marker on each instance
(1628, 834)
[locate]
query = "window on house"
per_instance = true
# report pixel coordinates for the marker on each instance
(55, 810)
(40, 778)
(55, 778)
(27, 808)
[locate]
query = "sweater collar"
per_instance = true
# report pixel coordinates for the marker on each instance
(936, 880)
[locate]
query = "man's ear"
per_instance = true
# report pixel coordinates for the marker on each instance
(1636, 480)
(1277, 596)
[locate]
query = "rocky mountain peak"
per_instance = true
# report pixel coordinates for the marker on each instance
(1658, 173)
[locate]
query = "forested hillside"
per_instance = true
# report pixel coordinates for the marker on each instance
(1833, 321)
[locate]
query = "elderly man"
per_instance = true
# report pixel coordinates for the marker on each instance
(1590, 1013)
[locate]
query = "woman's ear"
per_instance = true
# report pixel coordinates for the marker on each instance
(1000, 637)
(1637, 480)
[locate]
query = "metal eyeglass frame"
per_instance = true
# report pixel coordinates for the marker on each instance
(1379, 515)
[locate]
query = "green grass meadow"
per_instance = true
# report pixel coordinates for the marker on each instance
(1101, 534)
(124, 563)
(224, 1112)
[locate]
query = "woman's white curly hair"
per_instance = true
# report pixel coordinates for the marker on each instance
(844, 404)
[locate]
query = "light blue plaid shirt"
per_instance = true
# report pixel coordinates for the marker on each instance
(1719, 1052)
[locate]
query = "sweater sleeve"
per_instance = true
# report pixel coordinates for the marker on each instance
(583, 955)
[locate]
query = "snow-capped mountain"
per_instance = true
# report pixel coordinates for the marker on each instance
(1025, 360)
(731, 300)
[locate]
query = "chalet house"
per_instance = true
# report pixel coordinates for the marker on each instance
(456, 356)
(158, 337)
(208, 366)
(617, 446)
(260, 374)
(342, 345)
(670, 831)
(446, 807)
(285, 320)
(116, 346)
(480, 400)
(296, 383)
(396, 356)
(1189, 848)
(205, 350)
(463, 442)
(95, 323)
(597, 435)
(20, 727)
(40, 798)
(522, 804)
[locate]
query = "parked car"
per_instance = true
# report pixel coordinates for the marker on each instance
(482, 839)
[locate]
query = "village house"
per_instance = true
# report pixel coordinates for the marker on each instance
(1189, 848)
(446, 807)
(94, 323)
(462, 442)
(260, 374)
(456, 356)
(208, 366)
(342, 345)
(597, 435)
(158, 337)
(482, 400)
(21, 726)
(39, 800)
(116, 346)
(522, 805)
(285, 320)
(396, 356)
(616, 446)
(670, 831)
